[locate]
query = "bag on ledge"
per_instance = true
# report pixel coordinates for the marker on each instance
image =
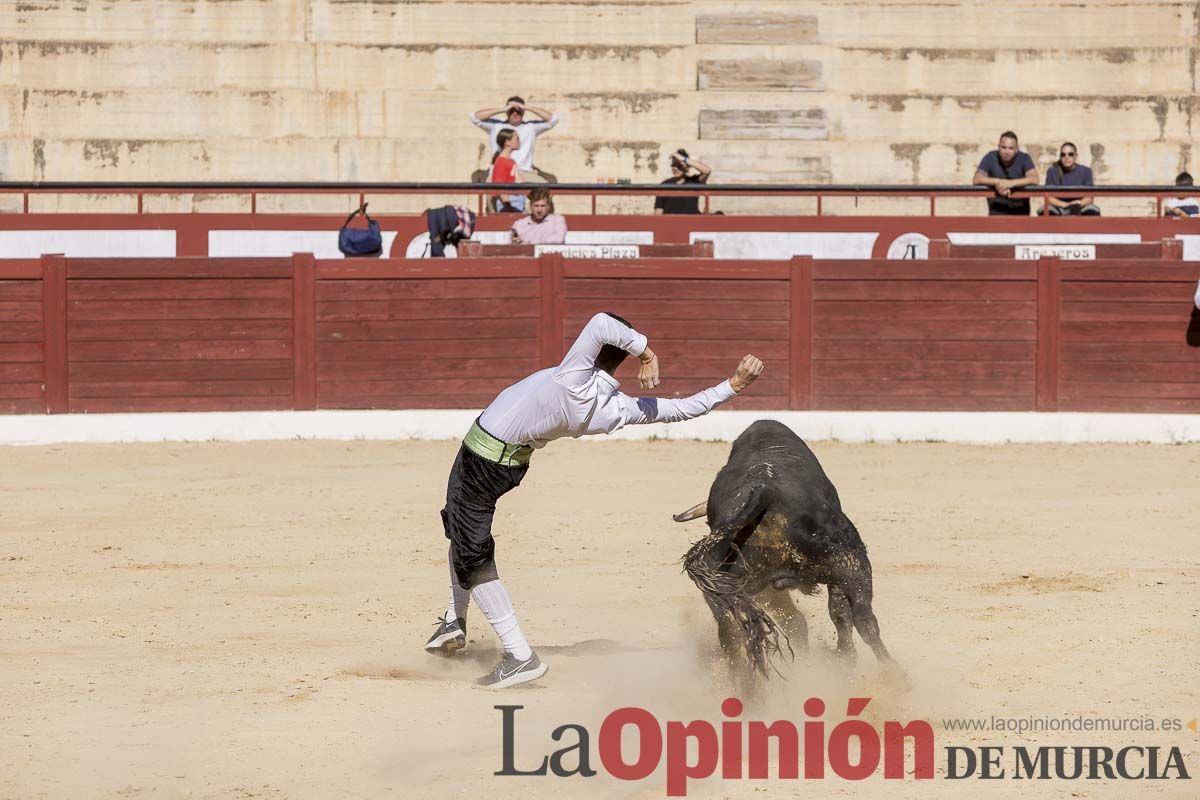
(360, 242)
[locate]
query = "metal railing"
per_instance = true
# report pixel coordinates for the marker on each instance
(820, 192)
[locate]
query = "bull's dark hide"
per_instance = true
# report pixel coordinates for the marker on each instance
(775, 520)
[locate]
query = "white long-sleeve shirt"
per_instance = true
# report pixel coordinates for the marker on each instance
(578, 399)
(528, 131)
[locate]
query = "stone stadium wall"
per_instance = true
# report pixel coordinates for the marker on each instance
(890, 91)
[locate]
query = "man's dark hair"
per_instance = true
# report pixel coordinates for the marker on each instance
(515, 99)
(610, 356)
(1009, 135)
(1183, 179)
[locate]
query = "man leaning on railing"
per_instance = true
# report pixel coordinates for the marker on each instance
(1004, 169)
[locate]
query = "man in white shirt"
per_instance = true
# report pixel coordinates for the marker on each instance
(579, 397)
(514, 109)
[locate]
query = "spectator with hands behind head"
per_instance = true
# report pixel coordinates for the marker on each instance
(514, 111)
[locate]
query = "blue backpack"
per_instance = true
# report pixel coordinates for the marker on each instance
(360, 242)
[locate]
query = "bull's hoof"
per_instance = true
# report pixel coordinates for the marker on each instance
(896, 678)
(847, 658)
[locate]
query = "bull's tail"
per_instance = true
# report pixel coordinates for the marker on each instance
(716, 565)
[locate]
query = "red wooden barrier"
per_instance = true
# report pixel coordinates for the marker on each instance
(179, 334)
(700, 249)
(552, 301)
(800, 335)
(1129, 338)
(54, 321)
(304, 332)
(204, 334)
(924, 335)
(1049, 292)
(700, 317)
(427, 334)
(1163, 250)
(22, 337)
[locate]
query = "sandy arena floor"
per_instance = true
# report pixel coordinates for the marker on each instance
(246, 620)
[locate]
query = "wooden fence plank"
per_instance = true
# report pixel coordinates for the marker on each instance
(1049, 324)
(276, 369)
(179, 289)
(54, 332)
(304, 332)
(895, 291)
(110, 405)
(451, 349)
(615, 291)
(205, 268)
(1127, 291)
(145, 310)
(1167, 312)
(924, 309)
(514, 289)
(933, 329)
(423, 330)
(468, 308)
(133, 389)
(836, 350)
(938, 402)
(982, 270)
(802, 320)
(172, 350)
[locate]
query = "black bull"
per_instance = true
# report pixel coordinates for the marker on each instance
(775, 521)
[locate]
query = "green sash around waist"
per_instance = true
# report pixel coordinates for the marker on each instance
(488, 447)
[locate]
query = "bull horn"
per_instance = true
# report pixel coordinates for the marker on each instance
(695, 512)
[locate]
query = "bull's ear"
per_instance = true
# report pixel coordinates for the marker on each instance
(695, 512)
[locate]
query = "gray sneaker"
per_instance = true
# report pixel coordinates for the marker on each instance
(449, 638)
(510, 672)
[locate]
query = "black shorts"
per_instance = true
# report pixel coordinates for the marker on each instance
(1000, 207)
(471, 493)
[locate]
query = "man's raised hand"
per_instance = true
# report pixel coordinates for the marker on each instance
(746, 373)
(648, 371)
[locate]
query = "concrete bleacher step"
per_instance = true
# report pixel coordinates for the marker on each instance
(490, 67)
(893, 91)
(966, 23)
(1015, 24)
(291, 112)
(806, 123)
(758, 74)
(900, 118)
(1053, 71)
(363, 22)
(1045, 72)
(131, 65)
(762, 28)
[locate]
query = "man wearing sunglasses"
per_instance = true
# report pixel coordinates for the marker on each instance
(1067, 171)
(511, 116)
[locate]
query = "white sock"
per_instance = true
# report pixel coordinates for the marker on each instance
(460, 598)
(494, 603)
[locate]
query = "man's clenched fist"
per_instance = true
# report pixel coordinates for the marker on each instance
(747, 371)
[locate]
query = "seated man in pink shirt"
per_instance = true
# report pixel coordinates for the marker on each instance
(542, 226)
